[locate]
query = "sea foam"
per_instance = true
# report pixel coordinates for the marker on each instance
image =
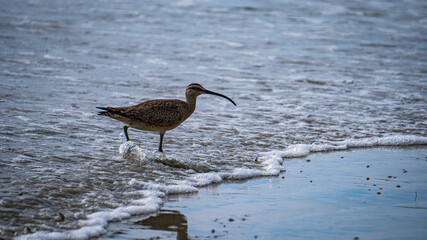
(96, 223)
(302, 150)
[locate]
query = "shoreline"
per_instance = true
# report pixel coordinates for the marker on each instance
(375, 193)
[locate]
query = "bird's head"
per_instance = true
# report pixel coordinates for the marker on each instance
(195, 89)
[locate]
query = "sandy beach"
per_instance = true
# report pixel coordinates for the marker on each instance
(359, 194)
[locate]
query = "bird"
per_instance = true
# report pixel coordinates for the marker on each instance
(159, 115)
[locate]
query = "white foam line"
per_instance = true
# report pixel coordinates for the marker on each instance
(177, 187)
(96, 223)
(302, 150)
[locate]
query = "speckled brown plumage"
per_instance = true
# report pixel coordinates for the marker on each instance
(159, 115)
(155, 115)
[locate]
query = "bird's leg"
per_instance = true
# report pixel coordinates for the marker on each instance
(161, 142)
(125, 129)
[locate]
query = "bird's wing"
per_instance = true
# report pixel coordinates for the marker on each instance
(160, 113)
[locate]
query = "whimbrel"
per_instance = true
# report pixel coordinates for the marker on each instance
(159, 115)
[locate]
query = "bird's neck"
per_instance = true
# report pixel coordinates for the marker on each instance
(191, 103)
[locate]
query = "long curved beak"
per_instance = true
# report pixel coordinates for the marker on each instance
(218, 94)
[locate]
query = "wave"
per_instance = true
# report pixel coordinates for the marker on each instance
(302, 150)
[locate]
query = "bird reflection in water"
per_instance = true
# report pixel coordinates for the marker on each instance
(168, 220)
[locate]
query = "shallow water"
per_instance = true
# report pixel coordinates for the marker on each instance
(368, 194)
(306, 77)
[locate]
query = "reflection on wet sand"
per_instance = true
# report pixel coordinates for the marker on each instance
(168, 220)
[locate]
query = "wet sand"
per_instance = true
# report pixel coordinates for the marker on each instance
(360, 194)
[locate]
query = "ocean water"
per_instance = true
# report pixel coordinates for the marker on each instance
(307, 76)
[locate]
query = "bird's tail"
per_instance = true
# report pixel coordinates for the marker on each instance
(103, 112)
(112, 112)
(108, 111)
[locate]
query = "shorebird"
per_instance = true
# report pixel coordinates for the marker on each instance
(159, 115)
